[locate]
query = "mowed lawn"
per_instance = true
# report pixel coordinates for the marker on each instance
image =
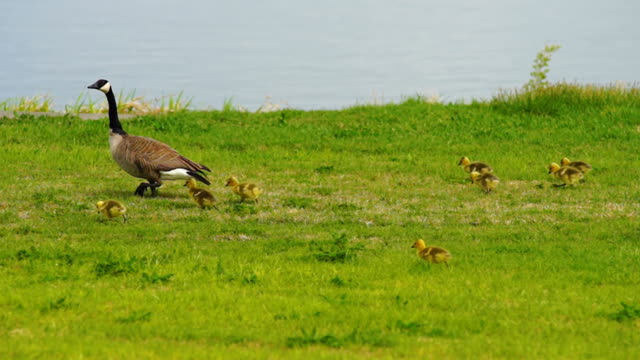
(322, 266)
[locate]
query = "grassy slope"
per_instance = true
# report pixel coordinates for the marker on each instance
(537, 270)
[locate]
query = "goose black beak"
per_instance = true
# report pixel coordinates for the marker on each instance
(93, 86)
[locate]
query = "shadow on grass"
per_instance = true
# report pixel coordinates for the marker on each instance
(128, 194)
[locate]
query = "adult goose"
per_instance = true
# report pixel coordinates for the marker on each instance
(144, 157)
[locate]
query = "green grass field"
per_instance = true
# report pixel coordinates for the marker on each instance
(322, 266)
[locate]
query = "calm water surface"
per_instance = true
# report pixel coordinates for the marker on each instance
(309, 55)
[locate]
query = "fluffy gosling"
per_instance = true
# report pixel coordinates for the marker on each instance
(469, 166)
(580, 165)
(568, 175)
(432, 254)
(202, 197)
(112, 208)
(244, 190)
(486, 181)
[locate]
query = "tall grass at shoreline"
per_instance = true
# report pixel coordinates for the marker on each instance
(537, 99)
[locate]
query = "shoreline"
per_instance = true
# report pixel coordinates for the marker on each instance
(83, 116)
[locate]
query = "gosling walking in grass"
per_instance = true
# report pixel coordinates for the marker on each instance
(580, 165)
(244, 190)
(432, 254)
(486, 181)
(112, 209)
(470, 167)
(569, 175)
(201, 197)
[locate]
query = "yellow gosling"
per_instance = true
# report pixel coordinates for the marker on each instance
(486, 181)
(112, 208)
(432, 254)
(580, 165)
(568, 175)
(469, 166)
(202, 197)
(244, 190)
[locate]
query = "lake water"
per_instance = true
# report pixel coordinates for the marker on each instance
(310, 55)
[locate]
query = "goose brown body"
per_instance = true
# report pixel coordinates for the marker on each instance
(144, 157)
(149, 159)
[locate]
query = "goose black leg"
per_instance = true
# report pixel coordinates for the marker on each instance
(144, 186)
(154, 186)
(141, 189)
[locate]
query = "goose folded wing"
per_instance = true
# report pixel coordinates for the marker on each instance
(152, 155)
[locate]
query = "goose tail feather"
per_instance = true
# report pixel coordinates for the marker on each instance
(198, 177)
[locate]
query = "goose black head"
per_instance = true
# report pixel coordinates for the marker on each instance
(102, 85)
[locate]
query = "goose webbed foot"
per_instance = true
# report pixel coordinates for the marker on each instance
(142, 188)
(154, 186)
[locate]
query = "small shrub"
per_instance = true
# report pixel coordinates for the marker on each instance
(339, 250)
(136, 316)
(346, 207)
(57, 304)
(410, 327)
(298, 202)
(337, 281)
(628, 312)
(324, 191)
(541, 68)
(312, 338)
(250, 279)
(112, 267)
(243, 209)
(325, 169)
(23, 254)
(155, 278)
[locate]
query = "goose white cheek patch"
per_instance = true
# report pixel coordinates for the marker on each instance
(105, 88)
(175, 174)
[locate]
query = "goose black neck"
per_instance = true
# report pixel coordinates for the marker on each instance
(114, 122)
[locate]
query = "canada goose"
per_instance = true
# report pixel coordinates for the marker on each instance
(144, 157)
(580, 165)
(202, 197)
(469, 166)
(112, 208)
(568, 175)
(432, 254)
(486, 181)
(244, 190)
